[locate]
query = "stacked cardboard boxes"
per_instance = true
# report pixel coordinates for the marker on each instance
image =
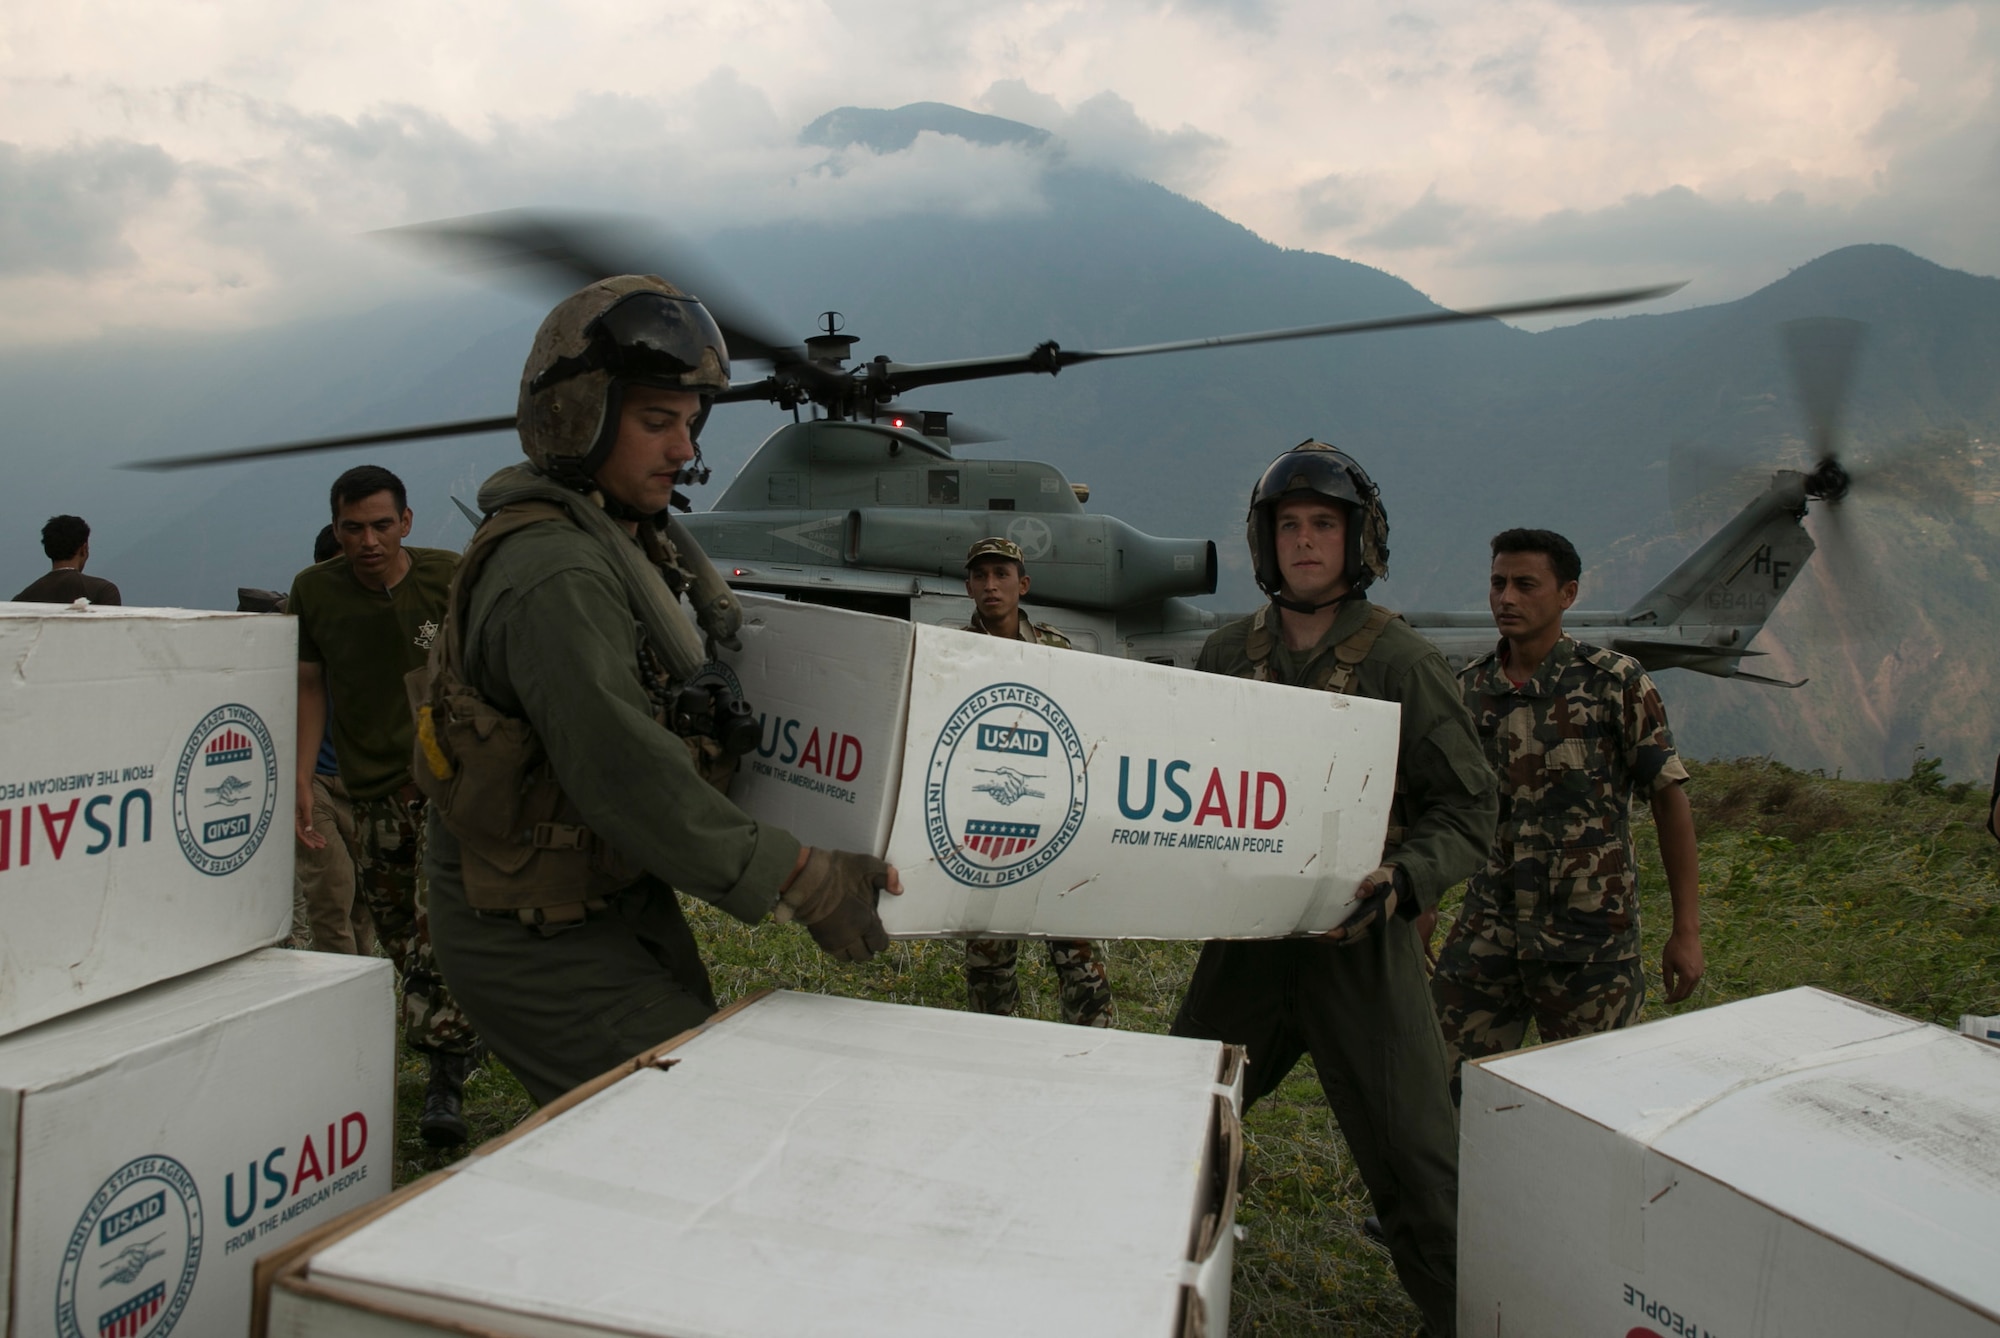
(175, 1095)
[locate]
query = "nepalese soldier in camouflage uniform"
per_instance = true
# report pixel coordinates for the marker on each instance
(1549, 931)
(573, 794)
(366, 618)
(1354, 998)
(996, 577)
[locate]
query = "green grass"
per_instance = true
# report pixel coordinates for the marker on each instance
(1884, 892)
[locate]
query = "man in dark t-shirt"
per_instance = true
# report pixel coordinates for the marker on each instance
(366, 618)
(66, 539)
(334, 917)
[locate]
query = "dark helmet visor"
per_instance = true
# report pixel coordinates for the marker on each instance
(1300, 470)
(653, 337)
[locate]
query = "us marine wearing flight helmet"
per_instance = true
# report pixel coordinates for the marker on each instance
(566, 812)
(1355, 997)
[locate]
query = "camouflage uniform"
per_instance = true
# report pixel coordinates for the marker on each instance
(990, 983)
(388, 870)
(1550, 928)
(365, 641)
(329, 914)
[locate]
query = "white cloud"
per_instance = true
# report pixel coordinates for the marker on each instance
(1479, 150)
(1104, 130)
(66, 209)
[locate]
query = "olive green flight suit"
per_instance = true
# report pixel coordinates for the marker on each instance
(1362, 1010)
(551, 639)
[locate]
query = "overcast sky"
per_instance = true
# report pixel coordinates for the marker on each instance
(211, 162)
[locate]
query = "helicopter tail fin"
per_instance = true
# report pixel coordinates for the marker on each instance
(1726, 590)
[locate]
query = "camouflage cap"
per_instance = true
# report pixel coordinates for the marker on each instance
(995, 547)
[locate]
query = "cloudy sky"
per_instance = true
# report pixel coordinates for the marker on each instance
(213, 162)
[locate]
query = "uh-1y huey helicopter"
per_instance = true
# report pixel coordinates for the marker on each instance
(866, 504)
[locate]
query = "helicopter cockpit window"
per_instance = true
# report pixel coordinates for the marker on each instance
(944, 487)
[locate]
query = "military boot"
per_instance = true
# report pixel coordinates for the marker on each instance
(442, 1123)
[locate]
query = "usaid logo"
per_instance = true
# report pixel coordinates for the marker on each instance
(225, 790)
(131, 1261)
(1006, 789)
(1012, 739)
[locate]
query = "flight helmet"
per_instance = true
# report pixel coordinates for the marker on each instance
(635, 329)
(1315, 468)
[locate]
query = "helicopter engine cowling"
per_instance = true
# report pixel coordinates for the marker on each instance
(1090, 562)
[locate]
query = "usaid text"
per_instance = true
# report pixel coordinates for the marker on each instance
(832, 755)
(42, 830)
(282, 1174)
(219, 804)
(1230, 804)
(1242, 800)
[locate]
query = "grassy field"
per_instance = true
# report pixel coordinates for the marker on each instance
(1884, 892)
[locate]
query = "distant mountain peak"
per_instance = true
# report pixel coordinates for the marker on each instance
(891, 130)
(1867, 257)
(1869, 281)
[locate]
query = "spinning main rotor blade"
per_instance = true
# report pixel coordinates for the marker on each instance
(876, 383)
(575, 250)
(1051, 358)
(465, 428)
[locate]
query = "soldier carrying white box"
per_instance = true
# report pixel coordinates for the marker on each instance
(565, 814)
(1355, 998)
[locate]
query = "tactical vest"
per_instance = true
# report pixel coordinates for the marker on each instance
(525, 848)
(1335, 674)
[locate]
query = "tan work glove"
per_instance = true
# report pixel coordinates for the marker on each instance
(834, 897)
(1380, 893)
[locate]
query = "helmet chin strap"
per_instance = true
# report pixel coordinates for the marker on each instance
(1300, 606)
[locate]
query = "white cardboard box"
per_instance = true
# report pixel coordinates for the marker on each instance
(831, 690)
(145, 798)
(153, 1146)
(806, 1164)
(1793, 1165)
(1050, 793)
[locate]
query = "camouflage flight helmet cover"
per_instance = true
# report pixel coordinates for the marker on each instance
(635, 329)
(1316, 469)
(996, 548)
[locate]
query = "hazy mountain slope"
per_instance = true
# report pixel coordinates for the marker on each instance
(1468, 429)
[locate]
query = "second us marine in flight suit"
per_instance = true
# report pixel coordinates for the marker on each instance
(1355, 998)
(565, 812)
